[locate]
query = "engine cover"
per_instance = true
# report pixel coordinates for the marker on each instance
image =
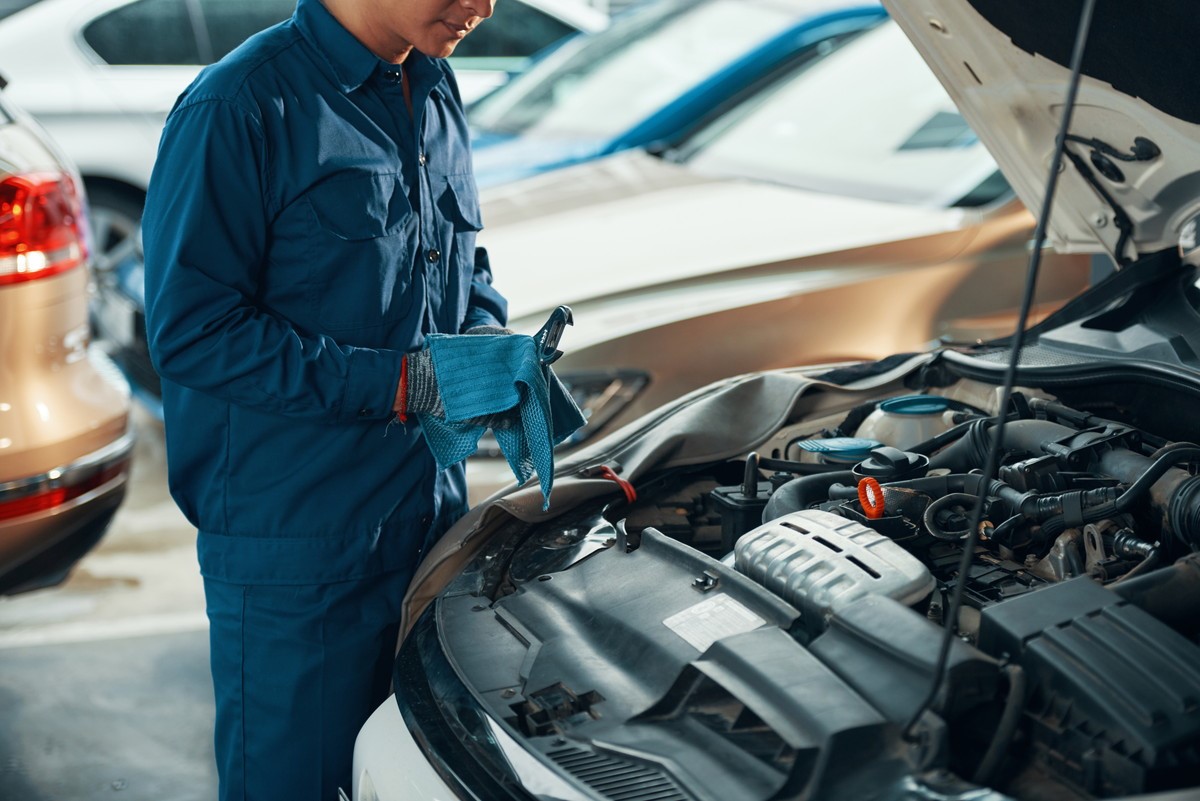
(1114, 693)
(820, 563)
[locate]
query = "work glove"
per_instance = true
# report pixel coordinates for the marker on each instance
(510, 417)
(422, 395)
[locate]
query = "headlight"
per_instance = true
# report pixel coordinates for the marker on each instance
(600, 394)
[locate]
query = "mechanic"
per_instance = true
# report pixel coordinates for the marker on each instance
(310, 219)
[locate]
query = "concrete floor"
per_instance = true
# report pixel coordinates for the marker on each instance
(104, 683)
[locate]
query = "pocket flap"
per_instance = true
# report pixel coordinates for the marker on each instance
(360, 206)
(461, 202)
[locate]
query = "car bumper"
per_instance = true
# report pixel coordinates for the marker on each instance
(433, 741)
(390, 766)
(38, 547)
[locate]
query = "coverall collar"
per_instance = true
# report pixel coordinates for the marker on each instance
(349, 59)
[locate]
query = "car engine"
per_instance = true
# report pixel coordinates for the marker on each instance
(771, 626)
(1074, 605)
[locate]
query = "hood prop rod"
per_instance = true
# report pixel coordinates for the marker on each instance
(1010, 376)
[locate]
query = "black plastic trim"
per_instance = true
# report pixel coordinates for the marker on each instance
(419, 664)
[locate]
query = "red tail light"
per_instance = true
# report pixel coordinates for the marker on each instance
(41, 226)
(50, 497)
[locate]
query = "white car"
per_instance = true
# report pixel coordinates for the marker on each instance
(101, 76)
(1006, 609)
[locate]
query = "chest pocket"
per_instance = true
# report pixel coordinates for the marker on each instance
(363, 242)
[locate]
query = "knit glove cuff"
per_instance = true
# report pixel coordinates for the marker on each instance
(423, 395)
(489, 330)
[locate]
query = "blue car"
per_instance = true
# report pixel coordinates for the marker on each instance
(654, 75)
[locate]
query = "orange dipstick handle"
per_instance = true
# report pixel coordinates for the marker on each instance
(870, 495)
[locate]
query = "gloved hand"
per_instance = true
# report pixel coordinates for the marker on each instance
(419, 392)
(506, 419)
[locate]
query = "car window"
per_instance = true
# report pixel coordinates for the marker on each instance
(145, 32)
(228, 23)
(615, 78)
(518, 31)
(870, 121)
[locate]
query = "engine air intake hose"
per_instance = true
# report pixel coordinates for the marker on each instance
(803, 492)
(1172, 491)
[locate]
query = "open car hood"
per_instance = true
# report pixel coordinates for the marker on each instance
(1006, 64)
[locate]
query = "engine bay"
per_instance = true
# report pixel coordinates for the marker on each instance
(785, 610)
(1082, 508)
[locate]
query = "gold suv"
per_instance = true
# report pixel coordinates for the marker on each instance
(65, 439)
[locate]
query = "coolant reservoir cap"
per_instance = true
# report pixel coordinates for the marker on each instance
(840, 449)
(915, 404)
(892, 464)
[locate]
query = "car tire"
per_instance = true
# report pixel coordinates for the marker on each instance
(115, 216)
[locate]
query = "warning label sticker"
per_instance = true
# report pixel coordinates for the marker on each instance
(712, 619)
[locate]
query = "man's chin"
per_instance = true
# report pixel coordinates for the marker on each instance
(439, 49)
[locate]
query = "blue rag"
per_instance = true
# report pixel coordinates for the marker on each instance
(479, 374)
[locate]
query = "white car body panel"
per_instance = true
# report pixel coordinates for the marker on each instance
(1013, 99)
(390, 766)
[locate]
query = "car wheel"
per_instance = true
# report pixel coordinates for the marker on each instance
(117, 316)
(115, 217)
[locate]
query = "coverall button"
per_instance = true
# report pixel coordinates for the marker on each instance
(392, 76)
(426, 520)
(421, 159)
(433, 255)
(364, 412)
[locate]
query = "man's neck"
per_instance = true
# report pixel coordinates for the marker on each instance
(354, 18)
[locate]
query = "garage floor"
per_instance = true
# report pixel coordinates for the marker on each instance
(104, 684)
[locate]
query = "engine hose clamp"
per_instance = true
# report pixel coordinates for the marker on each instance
(870, 497)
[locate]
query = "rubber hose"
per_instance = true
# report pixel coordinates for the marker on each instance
(803, 492)
(1183, 506)
(1006, 729)
(1141, 567)
(1021, 435)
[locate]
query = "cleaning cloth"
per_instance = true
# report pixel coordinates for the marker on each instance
(480, 375)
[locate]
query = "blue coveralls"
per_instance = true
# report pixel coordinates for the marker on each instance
(303, 231)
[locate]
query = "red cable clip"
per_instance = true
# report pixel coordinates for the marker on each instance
(604, 471)
(870, 495)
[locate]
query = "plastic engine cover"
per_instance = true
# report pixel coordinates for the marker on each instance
(820, 563)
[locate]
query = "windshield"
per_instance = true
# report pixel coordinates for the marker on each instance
(601, 85)
(870, 121)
